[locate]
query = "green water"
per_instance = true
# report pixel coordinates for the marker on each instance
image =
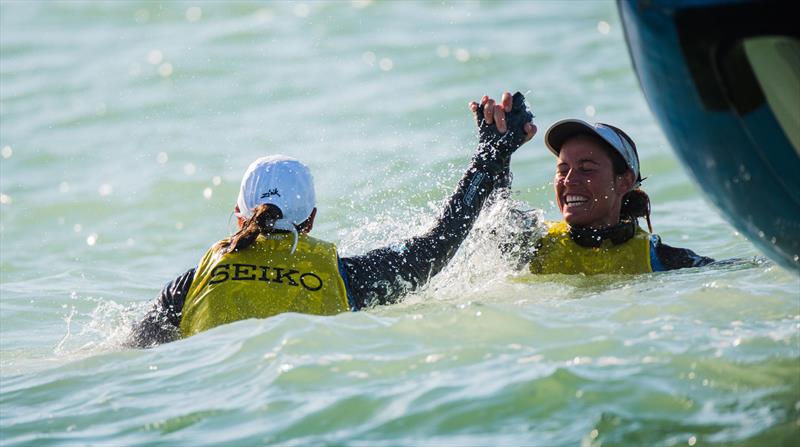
(125, 128)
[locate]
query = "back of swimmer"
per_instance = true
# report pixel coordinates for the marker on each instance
(598, 191)
(273, 265)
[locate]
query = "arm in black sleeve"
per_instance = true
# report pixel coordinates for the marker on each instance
(673, 258)
(384, 275)
(161, 323)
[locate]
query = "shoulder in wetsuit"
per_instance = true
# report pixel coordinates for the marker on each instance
(673, 258)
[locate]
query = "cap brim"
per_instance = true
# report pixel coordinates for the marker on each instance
(562, 130)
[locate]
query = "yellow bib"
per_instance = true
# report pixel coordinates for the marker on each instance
(558, 253)
(263, 280)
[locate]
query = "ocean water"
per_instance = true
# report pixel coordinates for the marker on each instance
(125, 128)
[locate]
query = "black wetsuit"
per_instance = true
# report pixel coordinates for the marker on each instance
(380, 276)
(673, 258)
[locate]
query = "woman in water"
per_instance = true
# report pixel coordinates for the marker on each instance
(597, 187)
(272, 265)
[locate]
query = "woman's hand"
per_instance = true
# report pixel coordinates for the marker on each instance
(503, 127)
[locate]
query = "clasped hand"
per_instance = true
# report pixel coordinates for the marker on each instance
(503, 127)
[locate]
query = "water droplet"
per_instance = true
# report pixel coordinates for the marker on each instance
(692, 440)
(590, 111)
(162, 158)
(603, 27)
(433, 358)
(594, 434)
(5, 199)
(462, 55)
(207, 193)
(155, 57)
(105, 189)
(91, 239)
(386, 64)
(165, 70)
(7, 152)
(77, 228)
(216, 180)
(189, 169)
(63, 187)
(194, 14)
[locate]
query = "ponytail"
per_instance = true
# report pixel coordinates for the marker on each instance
(636, 204)
(261, 222)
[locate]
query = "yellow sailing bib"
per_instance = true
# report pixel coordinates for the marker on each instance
(263, 280)
(558, 253)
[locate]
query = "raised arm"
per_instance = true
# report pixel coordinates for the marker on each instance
(386, 274)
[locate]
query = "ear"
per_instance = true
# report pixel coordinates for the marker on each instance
(309, 224)
(624, 183)
(239, 220)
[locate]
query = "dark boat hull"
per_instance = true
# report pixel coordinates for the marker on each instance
(698, 64)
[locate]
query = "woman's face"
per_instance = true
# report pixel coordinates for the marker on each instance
(587, 191)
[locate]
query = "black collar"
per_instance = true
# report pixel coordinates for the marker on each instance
(593, 237)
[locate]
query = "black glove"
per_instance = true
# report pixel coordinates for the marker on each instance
(495, 148)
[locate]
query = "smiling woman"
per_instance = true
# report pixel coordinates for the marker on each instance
(597, 191)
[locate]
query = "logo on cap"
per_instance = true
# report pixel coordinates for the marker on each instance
(270, 193)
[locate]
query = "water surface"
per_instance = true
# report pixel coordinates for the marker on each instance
(125, 128)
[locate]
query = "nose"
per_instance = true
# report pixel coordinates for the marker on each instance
(570, 177)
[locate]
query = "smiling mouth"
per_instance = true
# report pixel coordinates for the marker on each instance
(575, 200)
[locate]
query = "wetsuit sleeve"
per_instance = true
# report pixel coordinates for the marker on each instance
(672, 258)
(161, 323)
(385, 275)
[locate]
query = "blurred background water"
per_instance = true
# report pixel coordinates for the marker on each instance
(125, 128)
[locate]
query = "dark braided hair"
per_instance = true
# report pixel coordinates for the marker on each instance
(261, 222)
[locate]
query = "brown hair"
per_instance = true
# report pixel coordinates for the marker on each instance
(636, 203)
(261, 222)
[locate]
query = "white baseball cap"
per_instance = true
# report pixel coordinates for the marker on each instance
(562, 130)
(281, 181)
